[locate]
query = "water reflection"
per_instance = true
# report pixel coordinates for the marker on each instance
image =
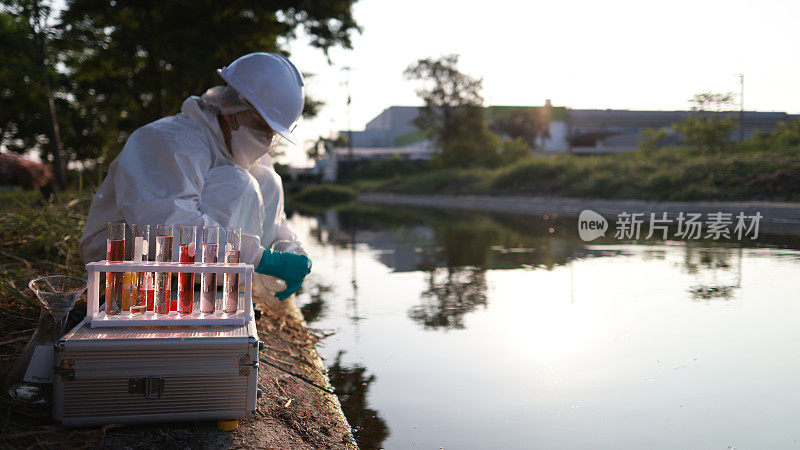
(621, 320)
(352, 386)
(411, 239)
(315, 309)
(718, 271)
(452, 292)
(454, 250)
(459, 287)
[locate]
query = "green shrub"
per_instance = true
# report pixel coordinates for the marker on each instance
(387, 168)
(670, 173)
(325, 194)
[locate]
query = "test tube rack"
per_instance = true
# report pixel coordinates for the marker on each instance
(99, 318)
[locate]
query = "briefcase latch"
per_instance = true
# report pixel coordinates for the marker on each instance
(66, 370)
(150, 387)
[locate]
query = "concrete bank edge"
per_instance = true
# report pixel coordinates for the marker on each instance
(288, 307)
(777, 217)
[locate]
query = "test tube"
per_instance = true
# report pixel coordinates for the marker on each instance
(115, 253)
(208, 294)
(127, 292)
(163, 279)
(230, 291)
(141, 247)
(188, 250)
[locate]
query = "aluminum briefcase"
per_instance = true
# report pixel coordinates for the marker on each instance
(156, 374)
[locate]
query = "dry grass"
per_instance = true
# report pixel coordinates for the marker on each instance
(37, 237)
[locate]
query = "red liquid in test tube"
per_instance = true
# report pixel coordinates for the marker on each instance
(186, 280)
(147, 294)
(115, 250)
(163, 279)
(187, 251)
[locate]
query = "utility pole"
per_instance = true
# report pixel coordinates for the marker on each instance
(741, 107)
(569, 130)
(349, 126)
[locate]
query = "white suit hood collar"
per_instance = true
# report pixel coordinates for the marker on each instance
(191, 108)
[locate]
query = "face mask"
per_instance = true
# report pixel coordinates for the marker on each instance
(247, 145)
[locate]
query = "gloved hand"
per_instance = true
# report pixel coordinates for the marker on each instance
(287, 266)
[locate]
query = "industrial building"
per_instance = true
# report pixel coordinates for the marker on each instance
(392, 133)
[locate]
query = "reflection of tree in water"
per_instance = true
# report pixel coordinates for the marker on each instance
(455, 248)
(713, 263)
(316, 308)
(696, 258)
(452, 292)
(704, 292)
(460, 287)
(352, 386)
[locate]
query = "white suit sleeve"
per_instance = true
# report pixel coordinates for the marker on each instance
(276, 227)
(232, 196)
(161, 177)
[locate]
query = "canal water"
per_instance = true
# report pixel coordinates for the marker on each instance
(472, 330)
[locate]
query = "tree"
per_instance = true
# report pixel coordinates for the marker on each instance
(124, 63)
(323, 146)
(29, 100)
(651, 139)
(22, 102)
(137, 60)
(526, 123)
(785, 135)
(152, 54)
(709, 128)
(450, 97)
(453, 115)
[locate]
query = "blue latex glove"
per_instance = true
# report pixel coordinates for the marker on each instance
(289, 267)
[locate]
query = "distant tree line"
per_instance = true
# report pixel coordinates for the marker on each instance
(75, 83)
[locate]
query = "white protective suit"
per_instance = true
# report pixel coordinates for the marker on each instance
(177, 170)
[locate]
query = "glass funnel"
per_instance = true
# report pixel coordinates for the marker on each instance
(58, 294)
(30, 377)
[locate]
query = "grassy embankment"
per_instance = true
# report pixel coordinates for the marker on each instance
(37, 238)
(673, 173)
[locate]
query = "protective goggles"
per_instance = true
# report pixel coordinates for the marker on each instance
(254, 121)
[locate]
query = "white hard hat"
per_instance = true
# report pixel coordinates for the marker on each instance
(272, 84)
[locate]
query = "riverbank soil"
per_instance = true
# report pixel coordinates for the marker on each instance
(296, 409)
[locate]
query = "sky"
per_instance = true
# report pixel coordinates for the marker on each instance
(583, 54)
